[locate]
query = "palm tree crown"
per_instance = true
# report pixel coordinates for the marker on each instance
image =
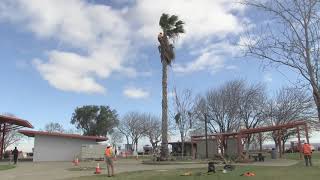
(171, 25)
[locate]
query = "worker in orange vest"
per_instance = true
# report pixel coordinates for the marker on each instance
(307, 153)
(109, 155)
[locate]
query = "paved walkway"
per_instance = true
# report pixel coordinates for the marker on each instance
(59, 170)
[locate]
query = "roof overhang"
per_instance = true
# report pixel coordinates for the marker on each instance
(13, 121)
(62, 135)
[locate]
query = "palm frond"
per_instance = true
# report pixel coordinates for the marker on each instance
(171, 25)
(179, 23)
(172, 20)
(164, 24)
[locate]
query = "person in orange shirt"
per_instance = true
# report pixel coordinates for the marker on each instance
(109, 161)
(307, 154)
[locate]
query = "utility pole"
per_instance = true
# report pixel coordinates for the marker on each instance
(206, 133)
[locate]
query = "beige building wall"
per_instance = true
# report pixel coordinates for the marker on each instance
(52, 148)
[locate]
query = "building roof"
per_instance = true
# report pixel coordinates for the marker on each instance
(73, 136)
(178, 142)
(15, 121)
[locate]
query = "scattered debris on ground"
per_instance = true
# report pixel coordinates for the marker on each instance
(248, 174)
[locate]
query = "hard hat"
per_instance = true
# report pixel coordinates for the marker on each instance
(108, 145)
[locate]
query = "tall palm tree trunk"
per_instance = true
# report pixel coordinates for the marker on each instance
(164, 130)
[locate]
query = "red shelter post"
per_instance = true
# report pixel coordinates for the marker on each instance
(2, 140)
(299, 142)
(307, 134)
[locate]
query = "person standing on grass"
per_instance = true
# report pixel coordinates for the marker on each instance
(15, 154)
(109, 161)
(307, 152)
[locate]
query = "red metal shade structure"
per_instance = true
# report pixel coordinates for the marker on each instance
(221, 137)
(7, 124)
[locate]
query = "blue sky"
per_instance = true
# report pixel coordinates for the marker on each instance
(57, 55)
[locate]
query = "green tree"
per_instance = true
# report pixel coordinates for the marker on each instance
(95, 120)
(171, 27)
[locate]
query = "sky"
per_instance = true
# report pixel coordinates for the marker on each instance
(57, 55)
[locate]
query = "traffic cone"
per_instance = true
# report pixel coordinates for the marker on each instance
(98, 170)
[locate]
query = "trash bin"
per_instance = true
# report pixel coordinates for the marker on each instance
(273, 153)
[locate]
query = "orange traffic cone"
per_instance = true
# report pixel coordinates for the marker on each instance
(98, 170)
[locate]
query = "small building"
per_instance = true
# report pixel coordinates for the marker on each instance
(52, 146)
(200, 148)
(177, 148)
(214, 147)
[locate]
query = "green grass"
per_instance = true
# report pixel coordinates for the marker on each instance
(296, 156)
(6, 167)
(296, 172)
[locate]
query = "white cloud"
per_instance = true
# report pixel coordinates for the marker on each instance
(267, 77)
(99, 40)
(208, 23)
(207, 61)
(204, 18)
(135, 93)
(96, 32)
(211, 58)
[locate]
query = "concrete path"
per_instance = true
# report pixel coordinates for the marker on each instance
(60, 170)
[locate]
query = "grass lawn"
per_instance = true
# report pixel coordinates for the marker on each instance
(5, 167)
(296, 172)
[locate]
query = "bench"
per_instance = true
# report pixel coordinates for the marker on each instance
(258, 157)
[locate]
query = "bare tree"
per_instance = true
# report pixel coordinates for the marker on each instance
(116, 138)
(133, 124)
(223, 106)
(11, 137)
(290, 37)
(54, 127)
(125, 130)
(183, 108)
(289, 105)
(251, 108)
(153, 129)
(200, 112)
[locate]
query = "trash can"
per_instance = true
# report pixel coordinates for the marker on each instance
(273, 153)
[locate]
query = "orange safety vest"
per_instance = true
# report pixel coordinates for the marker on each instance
(108, 152)
(307, 149)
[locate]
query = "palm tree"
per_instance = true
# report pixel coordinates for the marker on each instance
(171, 27)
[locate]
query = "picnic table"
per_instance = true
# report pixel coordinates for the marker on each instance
(258, 157)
